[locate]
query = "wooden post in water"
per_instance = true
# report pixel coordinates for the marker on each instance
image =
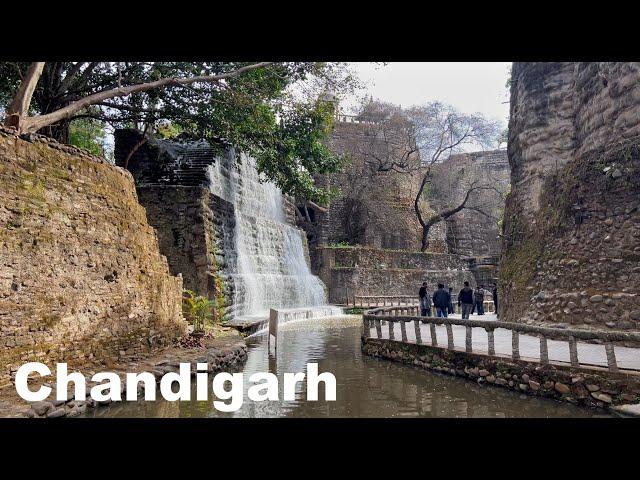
(273, 329)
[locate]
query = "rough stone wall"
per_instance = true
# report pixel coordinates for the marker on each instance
(591, 387)
(471, 233)
(190, 223)
(371, 271)
(572, 226)
(373, 208)
(468, 232)
(81, 275)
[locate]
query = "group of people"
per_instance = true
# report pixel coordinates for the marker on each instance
(469, 301)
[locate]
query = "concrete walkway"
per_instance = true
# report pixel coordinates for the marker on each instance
(588, 354)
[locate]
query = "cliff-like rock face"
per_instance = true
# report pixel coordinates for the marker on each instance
(572, 225)
(473, 233)
(81, 275)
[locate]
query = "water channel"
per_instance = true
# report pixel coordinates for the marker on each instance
(366, 386)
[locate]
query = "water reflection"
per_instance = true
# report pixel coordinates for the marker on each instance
(366, 387)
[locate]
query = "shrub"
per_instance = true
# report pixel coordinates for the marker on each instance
(197, 310)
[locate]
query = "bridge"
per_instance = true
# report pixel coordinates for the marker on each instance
(610, 358)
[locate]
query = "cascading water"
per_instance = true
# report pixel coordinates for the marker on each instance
(266, 259)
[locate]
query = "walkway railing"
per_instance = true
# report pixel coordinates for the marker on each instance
(384, 300)
(409, 315)
(399, 300)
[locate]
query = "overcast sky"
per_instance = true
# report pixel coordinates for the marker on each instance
(469, 86)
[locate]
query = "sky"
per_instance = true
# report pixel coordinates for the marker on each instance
(471, 87)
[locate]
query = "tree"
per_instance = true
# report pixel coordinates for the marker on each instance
(414, 139)
(253, 106)
(89, 134)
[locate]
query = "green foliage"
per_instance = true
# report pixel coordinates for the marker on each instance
(340, 245)
(197, 310)
(354, 311)
(89, 134)
(263, 112)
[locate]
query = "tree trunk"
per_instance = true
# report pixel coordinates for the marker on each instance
(425, 237)
(19, 108)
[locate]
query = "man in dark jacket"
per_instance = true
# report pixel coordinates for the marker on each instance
(441, 300)
(478, 300)
(425, 301)
(465, 300)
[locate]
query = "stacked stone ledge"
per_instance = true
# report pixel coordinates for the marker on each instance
(81, 276)
(590, 387)
(227, 357)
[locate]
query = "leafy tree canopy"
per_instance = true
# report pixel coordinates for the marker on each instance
(273, 113)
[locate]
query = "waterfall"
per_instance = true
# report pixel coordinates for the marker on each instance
(265, 256)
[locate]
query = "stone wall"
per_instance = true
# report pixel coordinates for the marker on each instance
(81, 275)
(371, 271)
(190, 223)
(373, 208)
(572, 225)
(590, 387)
(469, 232)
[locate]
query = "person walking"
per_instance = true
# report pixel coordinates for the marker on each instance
(465, 300)
(441, 300)
(494, 293)
(425, 301)
(478, 300)
(451, 309)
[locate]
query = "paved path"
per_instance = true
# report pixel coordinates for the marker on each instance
(588, 354)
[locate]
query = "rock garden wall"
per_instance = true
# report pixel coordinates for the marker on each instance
(81, 275)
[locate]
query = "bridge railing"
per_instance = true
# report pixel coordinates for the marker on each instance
(384, 300)
(407, 315)
(399, 300)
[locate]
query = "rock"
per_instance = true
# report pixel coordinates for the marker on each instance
(500, 381)
(628, 397)
(41, 408)
(523, 386)
(535, 386)
(561, 388)
(548, 385)
(525, 378)
(595, 298)
(483, 373)
(603, 397)
(59, 412)
(491, 378)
